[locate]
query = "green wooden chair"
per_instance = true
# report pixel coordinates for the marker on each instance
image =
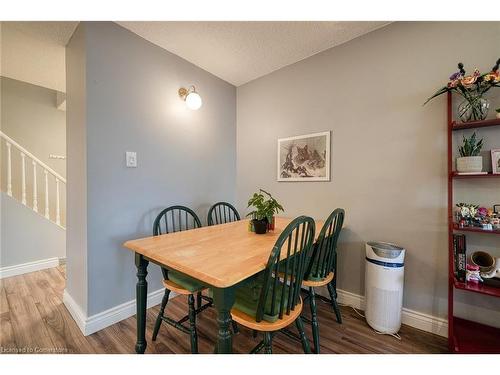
(221, 213)
(322, 269)
(271, 301)
(175, 219)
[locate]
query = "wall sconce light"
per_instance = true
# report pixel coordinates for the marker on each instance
(191, 97)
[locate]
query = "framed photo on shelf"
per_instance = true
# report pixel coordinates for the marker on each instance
(495, 161)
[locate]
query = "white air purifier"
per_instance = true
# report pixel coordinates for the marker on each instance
(384, 280)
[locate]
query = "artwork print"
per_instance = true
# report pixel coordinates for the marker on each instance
(495, 161)
(304, 158)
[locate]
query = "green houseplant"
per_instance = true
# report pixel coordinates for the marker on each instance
(470, 161)
(498, 112)
(265, 207)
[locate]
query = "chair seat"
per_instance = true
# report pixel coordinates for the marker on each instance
(183, 284)
(247, 299)
(319, 282)
(248, 320)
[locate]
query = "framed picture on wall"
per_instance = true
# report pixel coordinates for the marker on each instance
(304, 157)
(495, 161)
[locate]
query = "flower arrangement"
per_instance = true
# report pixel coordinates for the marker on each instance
(467, 211)
(471, 88)
(470, 146)
(473, 215)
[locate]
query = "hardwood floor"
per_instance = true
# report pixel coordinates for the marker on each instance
(33, 319)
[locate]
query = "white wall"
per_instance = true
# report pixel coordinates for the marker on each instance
(27, 236)
(122, 96)
(29, 57)
(388, 151)
(30, 117)
(76, 188)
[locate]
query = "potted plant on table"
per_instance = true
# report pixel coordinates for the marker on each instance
(498, 112)
(265, 207)
(472, 88)
(470, 161)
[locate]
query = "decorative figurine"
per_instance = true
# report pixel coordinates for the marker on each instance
(472, 275)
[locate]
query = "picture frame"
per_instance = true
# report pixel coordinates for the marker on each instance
(495, 161)
(304, 158)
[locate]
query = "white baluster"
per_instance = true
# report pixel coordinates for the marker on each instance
(9, 172)
(23, 178)
(35, 201)
(58, 214)
(47, 215)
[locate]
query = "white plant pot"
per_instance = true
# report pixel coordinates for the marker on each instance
(498, 114)
(470, 164)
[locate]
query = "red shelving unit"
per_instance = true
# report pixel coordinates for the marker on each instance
(487, 175)
(474, 338)
(475, 124)
(474, 229)
(465, 336)
(478, 288)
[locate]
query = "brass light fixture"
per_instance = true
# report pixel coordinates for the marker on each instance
(191, 97)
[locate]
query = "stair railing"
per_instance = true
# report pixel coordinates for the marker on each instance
(60, 181)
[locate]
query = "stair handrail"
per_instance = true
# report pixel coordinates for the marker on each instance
(31, 156)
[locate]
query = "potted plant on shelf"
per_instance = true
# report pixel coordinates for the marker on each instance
(472, 88)
(265, 207)
(470, 161)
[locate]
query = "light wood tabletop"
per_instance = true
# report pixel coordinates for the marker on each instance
(219, 255)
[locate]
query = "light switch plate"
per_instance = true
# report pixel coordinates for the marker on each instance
(131, 159)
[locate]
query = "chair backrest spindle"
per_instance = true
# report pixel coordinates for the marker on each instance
(221, 213)
(292, 248)
(173, 220)
(324, 255)
(163, 216)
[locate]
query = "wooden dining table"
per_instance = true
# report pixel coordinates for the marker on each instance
(221, 256)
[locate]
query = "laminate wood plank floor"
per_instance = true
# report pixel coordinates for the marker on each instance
(33, 319)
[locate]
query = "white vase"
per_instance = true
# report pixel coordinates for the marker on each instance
(470, 164)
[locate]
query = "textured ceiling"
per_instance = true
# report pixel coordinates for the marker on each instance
(239, 52)
(53, 32)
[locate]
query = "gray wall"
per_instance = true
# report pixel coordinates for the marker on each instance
(27, 236)
(184, 157)
(388, 152)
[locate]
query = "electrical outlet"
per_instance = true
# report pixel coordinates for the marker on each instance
(131, 159)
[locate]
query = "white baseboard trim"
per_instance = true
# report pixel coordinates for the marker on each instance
(94, 323)
(75, 311)
(20, 269)
(412, 318)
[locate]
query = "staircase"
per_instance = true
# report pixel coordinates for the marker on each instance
(23, 174)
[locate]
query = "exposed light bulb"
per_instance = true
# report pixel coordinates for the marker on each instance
(193, 101)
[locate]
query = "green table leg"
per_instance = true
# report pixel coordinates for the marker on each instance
(141, 297)
(223, 301)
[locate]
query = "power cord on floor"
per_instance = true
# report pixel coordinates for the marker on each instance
(352, 307)
(395, 335)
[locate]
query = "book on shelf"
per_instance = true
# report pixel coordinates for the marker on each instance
(460, 258)
(469, 173)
